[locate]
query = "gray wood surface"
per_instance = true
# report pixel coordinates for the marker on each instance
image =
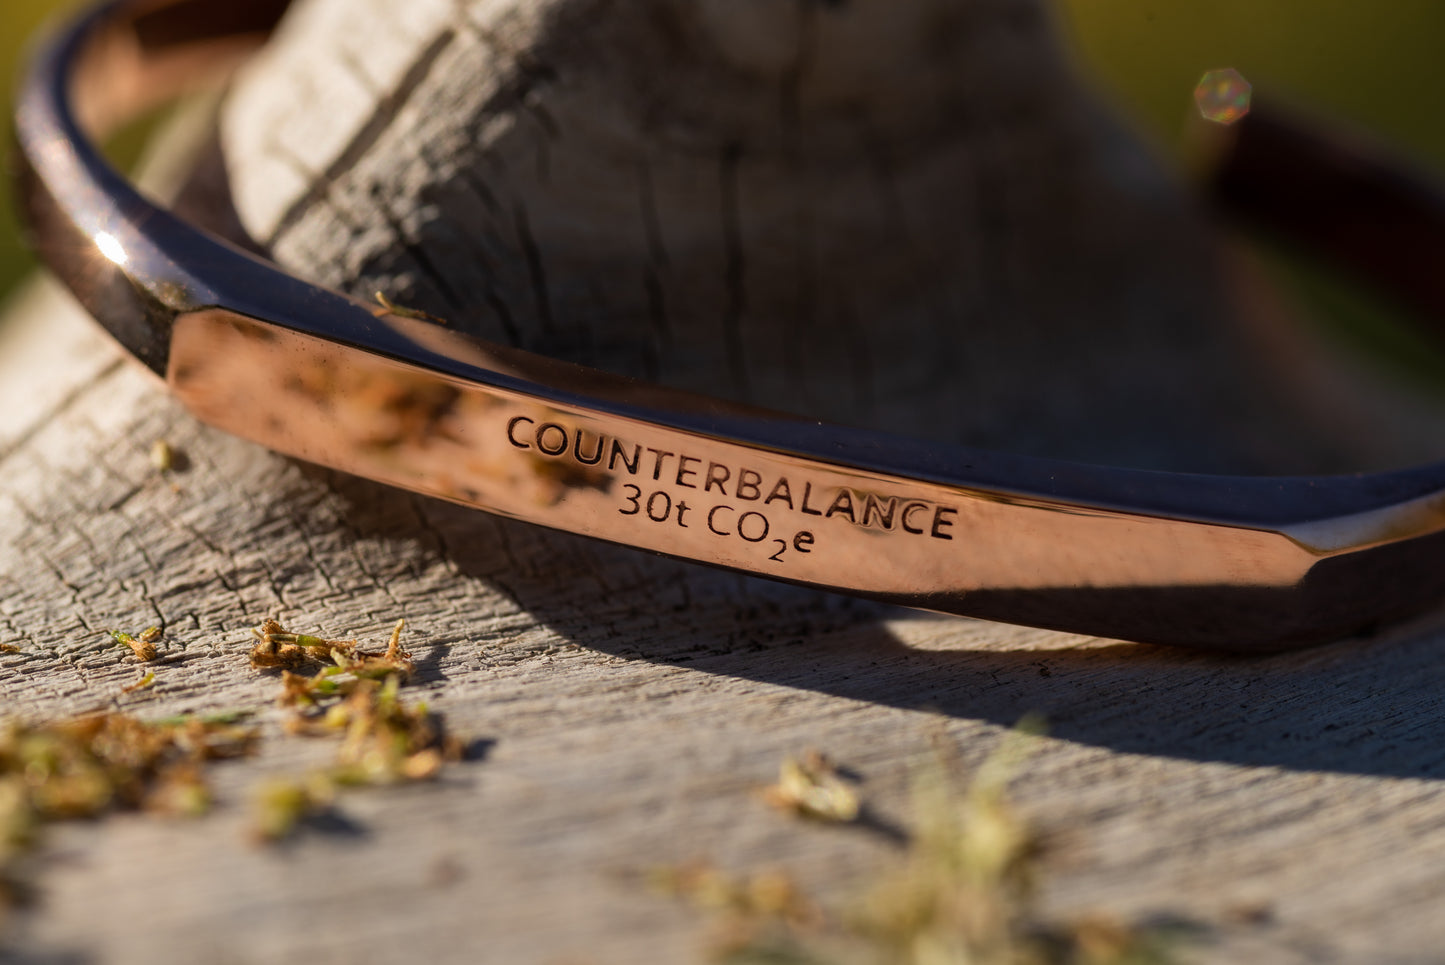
(626, 708)
(835, 209)
(635, 705)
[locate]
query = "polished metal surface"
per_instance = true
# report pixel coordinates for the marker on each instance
(1212, 562)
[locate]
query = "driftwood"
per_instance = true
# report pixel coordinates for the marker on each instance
(624, 708)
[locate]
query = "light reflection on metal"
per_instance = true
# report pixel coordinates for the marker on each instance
(678, 492)
(111, 247)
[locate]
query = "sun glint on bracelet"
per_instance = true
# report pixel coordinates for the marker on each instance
(1215, 562)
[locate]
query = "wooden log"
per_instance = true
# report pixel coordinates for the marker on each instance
(906, 216)
(627, 708)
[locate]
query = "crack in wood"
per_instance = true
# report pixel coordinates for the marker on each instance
(386, 111)
(536, 270)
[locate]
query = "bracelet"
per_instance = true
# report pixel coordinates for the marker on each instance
(1215, 562)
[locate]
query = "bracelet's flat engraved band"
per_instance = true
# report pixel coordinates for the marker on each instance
(1212, 562)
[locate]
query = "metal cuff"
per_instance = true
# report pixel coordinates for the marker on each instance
(1215, 562)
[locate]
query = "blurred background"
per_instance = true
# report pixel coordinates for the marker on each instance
(19, 19)
(1377, 65)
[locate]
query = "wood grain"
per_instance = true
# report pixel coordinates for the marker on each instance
(626, 708)
(909, 216)
(633, 705)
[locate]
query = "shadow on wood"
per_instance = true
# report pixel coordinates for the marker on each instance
(1364, 706)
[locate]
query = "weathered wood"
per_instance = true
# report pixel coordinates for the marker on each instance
(249, 534)
(906, 216)
(634, 704)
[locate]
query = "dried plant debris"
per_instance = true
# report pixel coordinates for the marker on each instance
(86, 766)
(963, 893)
(163, 456)
(811, 787)
(281, 805)
(277, 647)
(9, 648)
(769, 896)
(383, 741)
(143, 646)
(355, 697)
(389, 307)
(143, 683)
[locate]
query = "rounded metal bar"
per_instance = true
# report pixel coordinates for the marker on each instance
(1214, 562)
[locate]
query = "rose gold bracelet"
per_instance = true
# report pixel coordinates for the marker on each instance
(1235, 563)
